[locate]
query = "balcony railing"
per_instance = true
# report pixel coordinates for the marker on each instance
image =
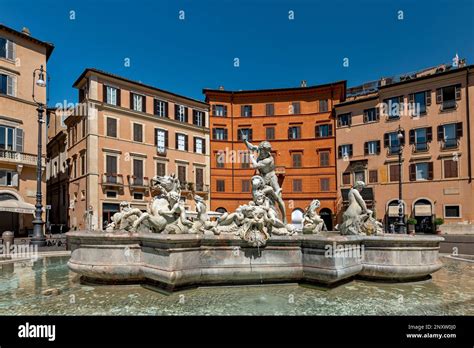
(112, 179)
(449, 105)
(420, 147)
(19, 157)
(161, 151)
(449, 144)
(138, 182)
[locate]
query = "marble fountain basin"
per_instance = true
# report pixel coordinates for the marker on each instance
(182, 260)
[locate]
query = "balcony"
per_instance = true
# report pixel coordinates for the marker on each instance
(161, 151)
(138, 183)
(420, 147)
(450, 144)
(112, 179)
(19, 158)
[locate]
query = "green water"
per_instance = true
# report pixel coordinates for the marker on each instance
(450, 292)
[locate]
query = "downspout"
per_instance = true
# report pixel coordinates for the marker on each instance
(468, 120)
(232, 133)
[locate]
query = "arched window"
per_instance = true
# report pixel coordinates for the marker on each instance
(221, 210)
(7, 196)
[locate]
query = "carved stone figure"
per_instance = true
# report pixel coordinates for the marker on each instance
(124, 219)
(312, 222)
(202, 222)
(357, 219)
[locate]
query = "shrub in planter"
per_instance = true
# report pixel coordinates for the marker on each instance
(438, 222)
(411, 225)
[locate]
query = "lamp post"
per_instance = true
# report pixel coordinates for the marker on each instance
(38, 235)
(401, 214)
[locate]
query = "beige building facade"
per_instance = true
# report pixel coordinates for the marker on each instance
(434, 110)
(126, 133)
(20, 55)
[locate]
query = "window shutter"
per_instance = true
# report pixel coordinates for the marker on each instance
(339, 151)
(330, 130)
(144, 103)
(316, 131)
(412, 136)
(251, 134)
(119, 103)
(350, 150)
(225, 133)
(439, 96)
(166, 110)
(203, 146)
(186, 142)
(156, 137)
(225, 110)
(289, 133)
(458, 130)
(242, 110)
(440, 133)
(386, 140)
(104, 93)
(176, 111)
(429, 134)
(166, 139)
(365, 116)
(378, 147)
(194, 144)
(458, 92)
(377, 113)
(412, 172)
(366, 148)
(411, 98)
(430, 170)
(176, 143)
(214, 133)
(402, 142)
(186, 115)
(213, 108)
(19, 140)
(15, 179)
(428, 98)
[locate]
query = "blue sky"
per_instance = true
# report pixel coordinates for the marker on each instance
(184, 56)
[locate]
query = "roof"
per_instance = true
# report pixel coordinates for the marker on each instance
(49, 46)
(121, 78)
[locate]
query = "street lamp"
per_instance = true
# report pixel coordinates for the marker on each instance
(38, 235)
(401, 214)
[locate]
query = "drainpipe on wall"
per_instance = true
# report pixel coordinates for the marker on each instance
(468, 121)
(232, 133)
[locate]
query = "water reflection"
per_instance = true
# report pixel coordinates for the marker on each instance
(22, 284)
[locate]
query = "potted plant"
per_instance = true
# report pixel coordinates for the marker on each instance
(411, 225)
(438, 222)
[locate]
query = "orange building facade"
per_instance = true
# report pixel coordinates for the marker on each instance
(299, 124)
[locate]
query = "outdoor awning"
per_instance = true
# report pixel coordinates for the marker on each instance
(15, 206)
(422, 210)
(393, 210)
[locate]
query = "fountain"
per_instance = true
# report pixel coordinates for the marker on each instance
(252, 245)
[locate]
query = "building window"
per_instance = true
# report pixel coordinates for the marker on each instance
(270, 133)
(324, 158)
(138, 171)
(246, 110)
(182, 174)
(323, 105)
(344, 120)
(346, 178)
(450, 168)
(345, 151)
(359, 176)
(199, 145)
(269, 109)
(199, 179)
(294, 132)
(181, 142)
(394, 172)
(297, 160)
(245, 159)
(372, 147)
(138, 196)
(8, 85)
(244, 133)
(138, 132)
(245, 185)
(181, 113)
(219, 110)
(220, 185)
(420, 138)
(111, 95)
(83, 164)
(418, 102)
(219, 133)
(8, 178)
(449, 135)
(452, 211)
(295, 108)
(138, 102)
(323, 130)
(421, 171)
(11, 138)
(373, 176)
(198, 118)
(110, 164)
(393, 107)
(324, 184)
(297, 185)
(447, 97)
(371, 115)
(160, 108)
(160, 169)
(392, 142)
(111, 127)
(111, 194)
(220, 159)
(161, 140)
(7, 49)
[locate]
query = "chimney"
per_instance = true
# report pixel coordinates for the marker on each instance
(221, 88)
(26, 31)
(303, 83)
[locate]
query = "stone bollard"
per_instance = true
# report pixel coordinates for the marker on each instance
(8, 238)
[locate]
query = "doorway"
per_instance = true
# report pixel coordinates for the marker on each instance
(423, 213)
(326, 215)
